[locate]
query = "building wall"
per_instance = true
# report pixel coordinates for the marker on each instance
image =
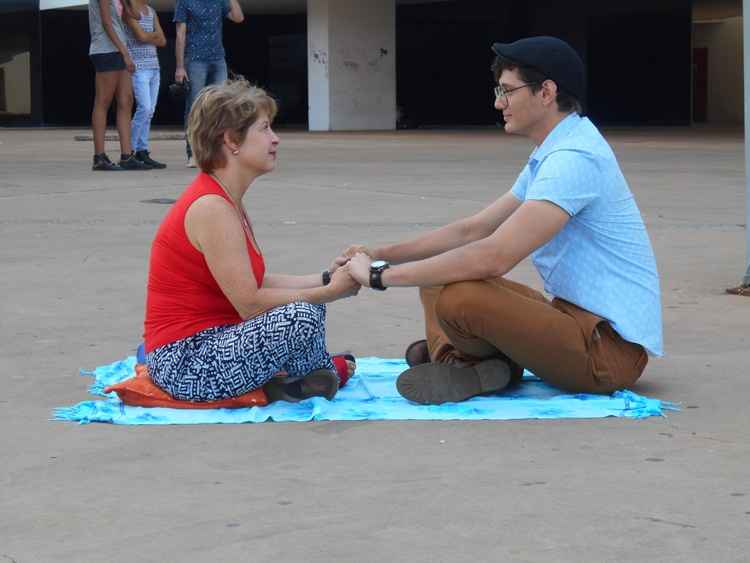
(20, 50)
(444, 57)
(17, 84)
(268, 50)
(362, 66)
(319, 48)
(442, 64)
(723, 40)
(716, 9)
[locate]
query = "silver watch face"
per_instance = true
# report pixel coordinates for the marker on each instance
(378, 264)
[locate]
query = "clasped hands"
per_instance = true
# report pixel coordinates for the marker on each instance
(354, 264)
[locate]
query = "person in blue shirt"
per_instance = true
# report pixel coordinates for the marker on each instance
(199, 49)
(572, 211)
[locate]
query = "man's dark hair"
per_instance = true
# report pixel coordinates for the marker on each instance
(565, 102)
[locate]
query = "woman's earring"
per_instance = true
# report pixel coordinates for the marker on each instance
(235, 152)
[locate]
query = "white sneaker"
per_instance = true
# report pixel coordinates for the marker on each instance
(191, 163)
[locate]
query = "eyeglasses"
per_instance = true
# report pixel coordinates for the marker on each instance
(504, 95)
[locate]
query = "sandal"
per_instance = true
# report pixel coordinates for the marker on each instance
(417, 353)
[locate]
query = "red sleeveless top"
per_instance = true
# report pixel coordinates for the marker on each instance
(182, 296)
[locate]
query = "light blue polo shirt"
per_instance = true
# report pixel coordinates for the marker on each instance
(602, 259)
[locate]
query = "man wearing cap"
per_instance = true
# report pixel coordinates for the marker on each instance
(572, 211)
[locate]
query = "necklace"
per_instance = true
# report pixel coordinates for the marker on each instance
(246, 226)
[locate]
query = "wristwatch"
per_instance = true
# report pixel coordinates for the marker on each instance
(376, 274)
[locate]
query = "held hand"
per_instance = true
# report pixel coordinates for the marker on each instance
(359, 268)
(339, 261)
(347, 255)
(342, 284)
(180, 75)
(129, 64)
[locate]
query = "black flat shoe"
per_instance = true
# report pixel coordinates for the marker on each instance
(319, 383)
(435, 384)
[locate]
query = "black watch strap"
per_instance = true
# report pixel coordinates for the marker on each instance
(376, 280)
(376, 277)
(326, 276)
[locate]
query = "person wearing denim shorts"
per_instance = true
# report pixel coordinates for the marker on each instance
(112, 66)
(144, 35)
(199, 50)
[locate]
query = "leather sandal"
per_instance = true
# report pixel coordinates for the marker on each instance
(417, 353)
(435, 384)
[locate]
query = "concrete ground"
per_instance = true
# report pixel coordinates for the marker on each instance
(73, 258)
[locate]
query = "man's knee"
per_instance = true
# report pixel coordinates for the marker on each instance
(459, 298)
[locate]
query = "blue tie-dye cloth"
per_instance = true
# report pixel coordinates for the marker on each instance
(370, 395)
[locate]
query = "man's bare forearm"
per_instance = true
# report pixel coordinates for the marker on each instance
(475, 261)
(179, 50)
(427, 245)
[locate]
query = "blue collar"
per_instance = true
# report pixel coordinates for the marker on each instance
(560, 131)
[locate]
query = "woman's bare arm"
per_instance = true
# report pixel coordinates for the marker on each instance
(214, 229)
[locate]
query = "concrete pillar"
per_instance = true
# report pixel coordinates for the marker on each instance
(746, 66)
(351, 61)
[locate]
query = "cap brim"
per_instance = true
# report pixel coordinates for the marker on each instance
(506, 51)
(500, 48)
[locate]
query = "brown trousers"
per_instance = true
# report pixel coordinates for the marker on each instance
(564, 345)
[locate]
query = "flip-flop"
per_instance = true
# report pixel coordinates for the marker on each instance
(417, 353)
(434, 384)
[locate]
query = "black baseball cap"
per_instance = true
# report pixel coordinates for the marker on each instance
(553, 57)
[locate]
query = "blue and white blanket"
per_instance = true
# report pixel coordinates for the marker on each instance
(370, 395)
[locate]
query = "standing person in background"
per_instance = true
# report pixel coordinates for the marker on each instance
(200, 49)
(144, 35)
(112, 64)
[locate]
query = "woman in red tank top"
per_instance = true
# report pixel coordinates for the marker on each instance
(217, 324)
